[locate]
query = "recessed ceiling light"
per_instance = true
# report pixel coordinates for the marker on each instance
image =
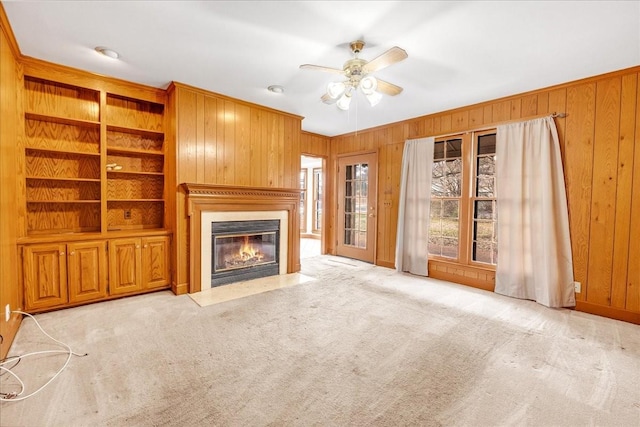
(107, 52)
(276, 89)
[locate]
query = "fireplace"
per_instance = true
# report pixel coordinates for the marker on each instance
(209, 204)
(244, 250)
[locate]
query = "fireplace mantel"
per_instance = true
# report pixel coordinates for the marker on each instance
(223, 198)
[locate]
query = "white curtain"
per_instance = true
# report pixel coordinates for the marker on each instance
(534, 248)
(413, 210)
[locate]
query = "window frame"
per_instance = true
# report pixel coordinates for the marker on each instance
(303, 199)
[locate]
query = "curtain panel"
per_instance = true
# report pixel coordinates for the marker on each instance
(534, 247)
(413, 211)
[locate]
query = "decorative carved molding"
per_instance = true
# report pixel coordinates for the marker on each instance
(225, 198)
(229, 191)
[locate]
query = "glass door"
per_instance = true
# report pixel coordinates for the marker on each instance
(357, 206)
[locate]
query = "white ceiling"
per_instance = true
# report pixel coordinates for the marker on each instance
(460, 52)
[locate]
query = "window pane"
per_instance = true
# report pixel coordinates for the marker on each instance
(438, 150)
(435, 227)
(435, 245)
(450, 208)
(484, 187)
(349, 172)
(483, 230)
(454, 148)
(487, 144)
(482, 252)
(486, 165)
(450, 227)
(450, 248)
(436, 209)
(483, 209)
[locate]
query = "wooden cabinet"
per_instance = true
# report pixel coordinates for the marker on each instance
(57, 275)
(125, 264)
(45, 275)
(156, 262)
(87, 271)
(139, 263)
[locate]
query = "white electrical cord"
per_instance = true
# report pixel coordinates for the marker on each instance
(16, 396)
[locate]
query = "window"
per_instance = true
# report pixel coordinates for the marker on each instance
(303, 200)
(484, 240)
(317, 200)
(463, 217)
(446, 190)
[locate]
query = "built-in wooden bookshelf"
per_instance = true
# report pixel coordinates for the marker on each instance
(94, 174)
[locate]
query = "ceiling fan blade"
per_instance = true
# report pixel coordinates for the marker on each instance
(321, 68)
(393, 55)
(327, 99)
(388, 88)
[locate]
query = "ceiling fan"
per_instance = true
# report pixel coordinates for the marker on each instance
(359, 74)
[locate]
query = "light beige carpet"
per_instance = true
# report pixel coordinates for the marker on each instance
(359, 346)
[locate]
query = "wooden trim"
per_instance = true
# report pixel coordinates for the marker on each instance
(8, 32)
(60, 73)
(476, 277)
(205, 92)
(386, 264)
(613, 313)
(222, 198)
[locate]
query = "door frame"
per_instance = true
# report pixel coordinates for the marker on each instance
(372, 199)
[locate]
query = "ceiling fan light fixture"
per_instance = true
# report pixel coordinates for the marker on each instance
(335, 89)
(344, 102)
(368, 85)
(373, 98)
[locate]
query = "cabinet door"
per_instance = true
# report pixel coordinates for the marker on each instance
(87, 267)
(155, 262)
(45, 275)
(124, 266)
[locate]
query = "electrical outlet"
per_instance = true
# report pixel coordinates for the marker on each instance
(7, 312)
(578, 287)
(127, 214)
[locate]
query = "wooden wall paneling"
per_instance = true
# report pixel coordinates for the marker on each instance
(633, 272)
(460, 120)
(623, 193)
(200, 158)
(516, 109)
(578, 172)
(604, 190)
(20, 166)
(476, 118)
(229, 143)
(243, 162)
(221, 157)
(501, 111)
(543, 102)
(170, 217)
(210, 111)
(186, 116)
(10, 121)
(258, 135)
(445, 124)
(529, 105)
(558, 104)
(487, 114)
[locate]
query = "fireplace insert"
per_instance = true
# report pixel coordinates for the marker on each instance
(244, 250)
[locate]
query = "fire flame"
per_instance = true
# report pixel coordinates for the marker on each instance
(248, 252)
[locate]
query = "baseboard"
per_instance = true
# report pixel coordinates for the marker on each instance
(611, 312)
(386, 264)
(180, 289)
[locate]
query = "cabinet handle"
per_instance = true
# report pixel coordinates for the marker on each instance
(72, 253)
(145, 246)
(61, 253)
(137, 246)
